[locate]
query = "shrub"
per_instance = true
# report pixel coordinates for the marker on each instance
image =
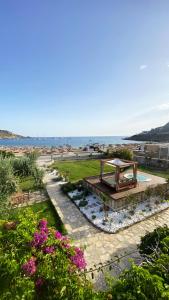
(8, 182)
(6, 154)
(138, 284)
(40, 263)
(153, 239)
(68, 187)
(83, 203)
(23, 166)
(77, 197)
(121, 153)
(32, 156)
(38, 177)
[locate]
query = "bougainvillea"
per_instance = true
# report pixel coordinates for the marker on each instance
(29, 267)
(78, 259)
(58, 235)
(41, 263)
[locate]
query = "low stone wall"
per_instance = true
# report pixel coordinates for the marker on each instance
(150, 194)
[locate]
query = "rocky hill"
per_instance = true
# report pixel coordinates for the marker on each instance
(159, 134)
(4, 134)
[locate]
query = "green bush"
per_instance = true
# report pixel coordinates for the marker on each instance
(83, 203)
(38, 177)
(77, 197)
(69, 187)
(121, 153)
(138, 284)
(39, 263)
(6, 154)
(8, 182)
(22, 166)
(153, 239)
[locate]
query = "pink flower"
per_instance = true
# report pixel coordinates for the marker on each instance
(29, 267)
(43, 225)
(39, 239)
(65, 242)
(58, 235)
(78, 259)
(66, 246)
(49, 249)
(39, 282)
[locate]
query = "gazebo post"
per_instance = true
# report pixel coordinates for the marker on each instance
(135, 172)
(117, 177)
(101, 169)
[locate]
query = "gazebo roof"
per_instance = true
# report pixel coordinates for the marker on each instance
(120, 163)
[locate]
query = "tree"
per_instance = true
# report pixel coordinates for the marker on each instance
(38, 176)
(8, 182)
(121, 153)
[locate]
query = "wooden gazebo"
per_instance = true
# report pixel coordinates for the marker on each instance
(118, 179)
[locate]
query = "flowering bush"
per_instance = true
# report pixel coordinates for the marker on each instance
(37, 262)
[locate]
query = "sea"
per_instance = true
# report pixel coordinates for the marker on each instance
(63, 141)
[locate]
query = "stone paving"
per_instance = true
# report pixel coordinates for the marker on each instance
(101, 246)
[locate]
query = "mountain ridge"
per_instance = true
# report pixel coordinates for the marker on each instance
(158, 134)
(5, 134)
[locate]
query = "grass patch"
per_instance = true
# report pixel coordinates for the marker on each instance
(77, 170)
(164, 174)
(27, 184)
(45, 210)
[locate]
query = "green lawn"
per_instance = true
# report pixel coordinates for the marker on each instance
(27, 184)
(160, 173)
(77, 170)
(45, 210)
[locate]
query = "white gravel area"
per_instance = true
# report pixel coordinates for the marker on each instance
(93, 210)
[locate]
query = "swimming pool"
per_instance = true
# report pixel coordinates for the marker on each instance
(140, 177)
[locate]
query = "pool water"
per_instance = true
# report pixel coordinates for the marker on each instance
(140, 177)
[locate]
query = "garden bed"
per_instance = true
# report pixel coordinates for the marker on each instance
(92, 208)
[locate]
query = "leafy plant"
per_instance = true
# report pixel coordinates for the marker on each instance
(83, 203)
(8, 182)
(6, 154)
(121, 153)
(40, 263)
(153, 240)
(38, 177)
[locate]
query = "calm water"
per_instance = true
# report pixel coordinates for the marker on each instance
(61, 141)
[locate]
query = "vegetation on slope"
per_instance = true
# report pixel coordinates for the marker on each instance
(159, 134)
(5, 134)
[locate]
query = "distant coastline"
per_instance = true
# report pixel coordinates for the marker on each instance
(158, 134)
(62, 141)
(5, 134)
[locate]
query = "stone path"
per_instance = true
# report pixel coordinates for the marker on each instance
(100, 246)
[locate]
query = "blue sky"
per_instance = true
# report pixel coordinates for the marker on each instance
(76, 68)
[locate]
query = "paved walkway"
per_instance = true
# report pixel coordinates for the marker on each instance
(100, 246)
